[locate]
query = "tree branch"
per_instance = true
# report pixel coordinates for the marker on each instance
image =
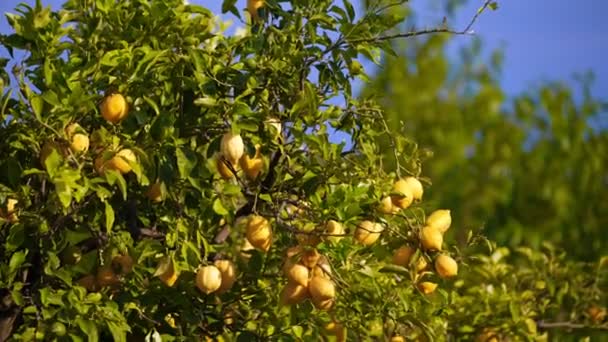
(568, 325)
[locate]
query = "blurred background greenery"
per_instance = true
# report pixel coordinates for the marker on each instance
(527, 169)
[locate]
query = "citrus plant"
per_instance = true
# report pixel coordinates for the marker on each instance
(164, 181)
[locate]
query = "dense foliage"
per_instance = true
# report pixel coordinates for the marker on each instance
(164, 181)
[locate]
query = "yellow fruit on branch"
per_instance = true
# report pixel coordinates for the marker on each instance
(259, 233)
(232, 147)
(208, 279)
(114, 108)
(253, 6)
(427, 287)
(297, 273)
(228, 271)
(334, 230)
(440, 219)
(106, 276)
(154, 192)
(223, 169)
(293, 293)
(397, 338)
(11, 213)
(386, 206)
(405, 193)
(321, 288)
(252, 166)
(368, 232)
(416, 187)
(445, 266)
(403, 256)
(120, 161)
(166, 272)
(431, 238)
(323, 268)
(79, 140)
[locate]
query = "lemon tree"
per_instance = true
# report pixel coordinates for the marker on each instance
(164, 181)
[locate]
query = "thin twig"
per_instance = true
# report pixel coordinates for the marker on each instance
(568, 325)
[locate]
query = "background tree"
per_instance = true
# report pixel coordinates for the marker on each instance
(164, 181)
(527, 169)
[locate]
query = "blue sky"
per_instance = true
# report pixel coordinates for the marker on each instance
(543, 39)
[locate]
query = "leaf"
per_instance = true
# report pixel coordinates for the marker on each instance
(205, 102)
(119, 333)
(185, 162)
(218, 207)
(37, 106)
(109, 213)
(89, 328)
(16, 261)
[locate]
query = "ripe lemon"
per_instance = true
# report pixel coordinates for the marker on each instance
(208, 279)
(259, 233)
(253, 6)
(440, 219)
(223, 169)
(114, 108)
(228, 271)
(397, 338)
(232, 147)
(166, 272)
(293, 293)
(297, 273)
(445, 266)
(403, 255)
(427, 287)
(322, 269)
(252, 166)
(321, 288)
(120, 161)
(154, 192)
(386, 206)
(10, 214)
(368, 232)
(335, 231)
(406, 195)
(79, 140)
(431, 238)
(416, 187)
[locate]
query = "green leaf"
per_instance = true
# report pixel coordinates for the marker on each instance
(186, 160)
(89, 328)
(118, 331)
(109, 213)
(218, 207)
(37, 106)
(16, 261)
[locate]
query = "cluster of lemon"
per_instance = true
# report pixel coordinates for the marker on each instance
(308, 276)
